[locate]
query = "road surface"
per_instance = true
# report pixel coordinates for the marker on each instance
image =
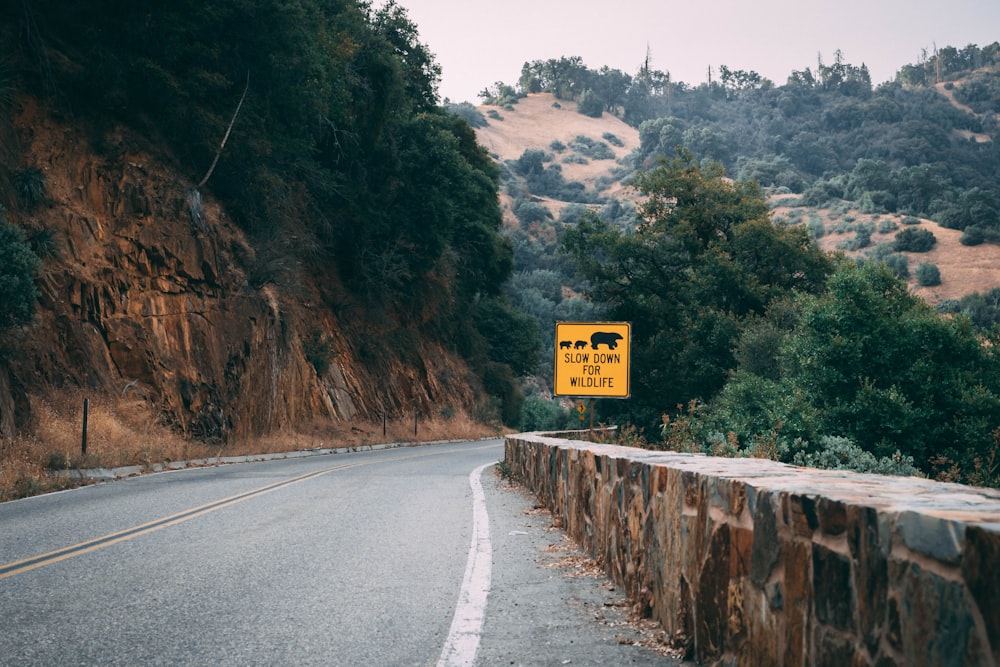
(403, 556)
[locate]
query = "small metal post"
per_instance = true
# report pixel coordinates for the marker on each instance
(86, 411)
(383, 423)
(414, 423)
(591, 419)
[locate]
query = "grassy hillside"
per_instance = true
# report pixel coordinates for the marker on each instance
(537, 121)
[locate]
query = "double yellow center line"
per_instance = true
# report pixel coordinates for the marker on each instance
(28, 564)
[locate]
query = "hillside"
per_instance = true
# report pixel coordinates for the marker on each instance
(134, 295)
(238, 243)
(964, 269)
(539, 119)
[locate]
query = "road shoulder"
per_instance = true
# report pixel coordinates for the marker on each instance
(549, 603)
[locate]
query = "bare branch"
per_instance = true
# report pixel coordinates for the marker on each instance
(229, 129)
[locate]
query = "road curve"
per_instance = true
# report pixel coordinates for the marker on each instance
(353, 559)
(405, 556)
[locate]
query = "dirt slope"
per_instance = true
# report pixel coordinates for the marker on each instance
(964, 269)
(539, 119)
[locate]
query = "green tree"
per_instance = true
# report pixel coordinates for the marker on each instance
(872, 362)
(914, 239)
(18, 266)
(928, 274)
(512, 336)
(339, 143)
(704, 262)
(590, 104)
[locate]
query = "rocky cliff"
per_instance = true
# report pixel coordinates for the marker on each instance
(135, 297)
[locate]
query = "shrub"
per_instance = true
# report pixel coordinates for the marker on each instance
(886, 226)
(899, 263)
(531, 162)
(794, 215)
(539, 414)
(613, 140)
(471, 114)
(500, 383)
(29, 185)
(590, 104)
(43, 242)
(913, 239)
(862, 238)
(18, 266)
(972, 236)
(318, 349)
(528, 212)
(949, 306)
(557, 146)
(572, 212)
(928, 274)
(603, 183)
(836, 453)
(815, 227)
(596, 150)
(880, 252)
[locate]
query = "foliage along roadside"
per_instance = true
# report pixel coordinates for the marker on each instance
(766, 345)
(340, 162)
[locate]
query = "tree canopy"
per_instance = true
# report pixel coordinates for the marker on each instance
(340, 142)
(868, 361)
(705, 261)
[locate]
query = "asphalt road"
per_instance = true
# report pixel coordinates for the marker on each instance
(391, 557)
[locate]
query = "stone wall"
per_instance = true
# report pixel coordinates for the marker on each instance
(754, 562)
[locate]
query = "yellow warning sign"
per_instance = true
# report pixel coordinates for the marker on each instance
(592, 359)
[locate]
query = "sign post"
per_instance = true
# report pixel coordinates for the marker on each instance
(592, 361)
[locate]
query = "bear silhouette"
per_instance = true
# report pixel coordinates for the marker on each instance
(565, 344)
(608, 338)
(580, 344)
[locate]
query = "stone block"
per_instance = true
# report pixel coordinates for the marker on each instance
(831, 515)
(712, 594)
(833, 649)
(766, 547)
(936, 626)
(981, 573)
(800, 514)
(832, 591)
(871, 578)
(764, 643)
(866, 571)
(940, 538)
(797, 603)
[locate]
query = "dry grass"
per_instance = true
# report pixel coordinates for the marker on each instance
(534, 122)
(964, 269)
(128, 432)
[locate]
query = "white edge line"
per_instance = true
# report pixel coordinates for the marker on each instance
(462, 644)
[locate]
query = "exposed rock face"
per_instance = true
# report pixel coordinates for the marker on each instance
(139, 298)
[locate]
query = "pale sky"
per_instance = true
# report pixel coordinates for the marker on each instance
(480, 42)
